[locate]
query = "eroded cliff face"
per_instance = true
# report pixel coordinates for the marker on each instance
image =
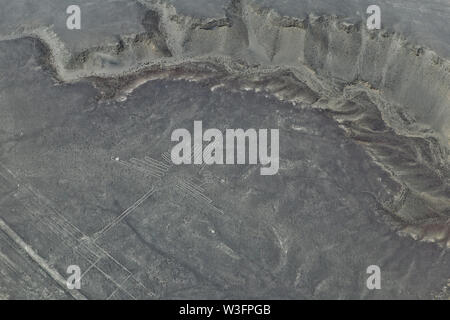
(391, 96)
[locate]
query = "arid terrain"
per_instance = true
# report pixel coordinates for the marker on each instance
(86, 176)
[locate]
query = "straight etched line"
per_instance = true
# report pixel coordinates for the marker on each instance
(199, 188)
(90, 267)
(131, 166)
(117, 289)
(125, 213)
(148, 166)
(195, 192)
(156, 163)
(112, 280)
(54, 274)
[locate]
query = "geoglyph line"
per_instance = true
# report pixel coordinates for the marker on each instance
(57, 220)
(125, 213)
(44, 265)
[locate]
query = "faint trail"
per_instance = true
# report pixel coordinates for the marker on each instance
(139, 168)
(197, 193)
(54, 274)
(133, 207)
(92, 248)
(58, 224)
(117, 289)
